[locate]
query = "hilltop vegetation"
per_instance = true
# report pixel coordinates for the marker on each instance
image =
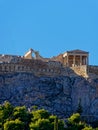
(19, 118)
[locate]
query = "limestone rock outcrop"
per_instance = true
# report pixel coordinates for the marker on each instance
(60, 94)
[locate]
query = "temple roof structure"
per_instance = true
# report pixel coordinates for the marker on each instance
(77, 51)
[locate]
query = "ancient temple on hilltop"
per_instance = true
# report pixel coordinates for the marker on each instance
(76, 60)
(76, 57)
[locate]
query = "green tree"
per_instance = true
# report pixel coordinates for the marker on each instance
(14, 125)
(56, 124)
(74, 122)
(88, 128)
(42, 120)
(39, 114)
(6, 111)
(41, 124)
(21, 113)
(34, 108)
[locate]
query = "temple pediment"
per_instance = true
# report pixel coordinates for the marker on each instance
(77, 51)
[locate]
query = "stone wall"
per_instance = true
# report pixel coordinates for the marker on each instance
(80, 70)
(93, 69)
(9, 59)
(52, 67)
(54, 64)
(39, 68)
(35, 67)
(10, 67)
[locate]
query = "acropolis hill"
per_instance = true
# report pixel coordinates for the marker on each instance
(56, 84)
(75, 62)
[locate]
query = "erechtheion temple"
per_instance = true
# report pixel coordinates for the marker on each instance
(68, 63)
(76, 57)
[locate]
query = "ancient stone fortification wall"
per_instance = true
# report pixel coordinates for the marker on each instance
(93, 69)
(80, 70)
(37, 67)
(52, 67)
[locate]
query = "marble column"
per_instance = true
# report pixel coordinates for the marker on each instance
(74, 60)
(80, 60)
(86, 60)
(67, 60)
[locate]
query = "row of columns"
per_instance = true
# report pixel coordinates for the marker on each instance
(83, 59)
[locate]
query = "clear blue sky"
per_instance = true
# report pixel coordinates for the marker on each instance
(49, 26)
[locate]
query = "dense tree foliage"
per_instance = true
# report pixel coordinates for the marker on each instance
(14, 125)
(6, 111)
(19, 118)
(74, 122)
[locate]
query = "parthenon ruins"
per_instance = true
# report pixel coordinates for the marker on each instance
(74, 61)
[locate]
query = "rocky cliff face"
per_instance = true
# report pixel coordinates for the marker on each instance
(60, 95)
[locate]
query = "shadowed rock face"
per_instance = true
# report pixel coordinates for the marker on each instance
(60, 95)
